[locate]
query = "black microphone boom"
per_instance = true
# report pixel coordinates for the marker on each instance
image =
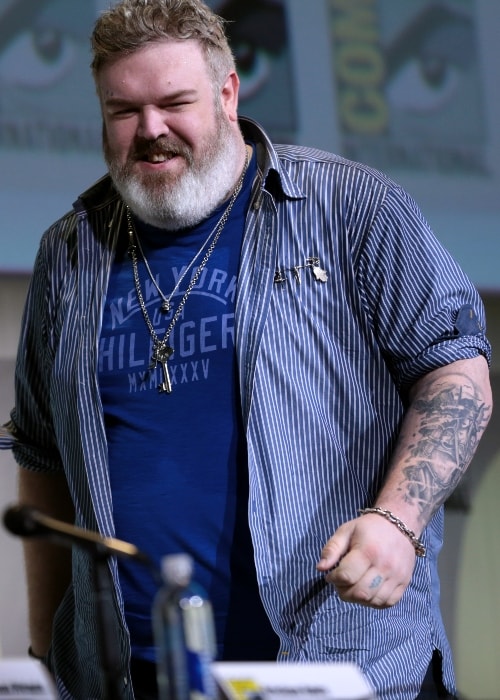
(26, 521)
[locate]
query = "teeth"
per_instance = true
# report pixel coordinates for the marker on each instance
(158, 159)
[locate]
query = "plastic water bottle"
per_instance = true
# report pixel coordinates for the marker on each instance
(184, 632)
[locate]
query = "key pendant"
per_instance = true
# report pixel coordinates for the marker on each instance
(161, 354)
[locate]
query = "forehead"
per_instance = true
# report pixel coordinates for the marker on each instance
(159, 64)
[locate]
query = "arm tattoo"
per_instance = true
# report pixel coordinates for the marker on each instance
(452, 418)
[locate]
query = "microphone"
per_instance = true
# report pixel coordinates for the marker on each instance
(26, 521)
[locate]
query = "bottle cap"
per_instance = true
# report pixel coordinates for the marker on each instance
(177, 568)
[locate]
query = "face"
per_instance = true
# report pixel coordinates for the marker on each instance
(171, 141)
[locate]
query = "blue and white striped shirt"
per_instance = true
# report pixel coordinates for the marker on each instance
(345, 298)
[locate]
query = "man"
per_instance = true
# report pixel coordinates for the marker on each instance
(228, 350)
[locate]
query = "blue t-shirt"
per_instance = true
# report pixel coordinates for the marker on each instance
(178, 464)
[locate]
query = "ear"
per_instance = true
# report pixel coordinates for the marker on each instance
(229, 96)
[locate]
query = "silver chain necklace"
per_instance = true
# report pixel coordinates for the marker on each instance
(161, 350)
(166, 304)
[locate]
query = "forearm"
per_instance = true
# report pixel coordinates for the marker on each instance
(367, 559)
(48, 566)
(449, 411)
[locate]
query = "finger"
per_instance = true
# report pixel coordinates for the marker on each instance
(372, 590)
(353, 567)
(336, 547)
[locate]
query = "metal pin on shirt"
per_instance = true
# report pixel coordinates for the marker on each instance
(319, 273)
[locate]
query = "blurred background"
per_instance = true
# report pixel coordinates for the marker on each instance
(408, 86)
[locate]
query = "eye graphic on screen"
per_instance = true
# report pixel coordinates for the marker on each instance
(426, 62)
(37, 59)
(38, 43)
(257, 32)
(254, 69)
(411, 88)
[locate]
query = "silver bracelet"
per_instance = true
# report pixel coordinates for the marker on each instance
(417, 544)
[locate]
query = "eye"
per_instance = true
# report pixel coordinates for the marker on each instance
(424, 85)
(37, 59)
(254, 67)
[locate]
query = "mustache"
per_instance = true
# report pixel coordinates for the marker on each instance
(144, 149)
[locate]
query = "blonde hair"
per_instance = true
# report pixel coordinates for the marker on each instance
(131, 24)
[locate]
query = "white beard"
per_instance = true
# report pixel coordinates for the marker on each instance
(172, 204)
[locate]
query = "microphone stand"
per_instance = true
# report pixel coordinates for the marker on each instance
(28, 522)
(103, 600)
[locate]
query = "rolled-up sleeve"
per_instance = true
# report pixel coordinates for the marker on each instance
(425, 311)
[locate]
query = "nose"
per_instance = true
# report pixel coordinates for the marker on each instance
(152, 123)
